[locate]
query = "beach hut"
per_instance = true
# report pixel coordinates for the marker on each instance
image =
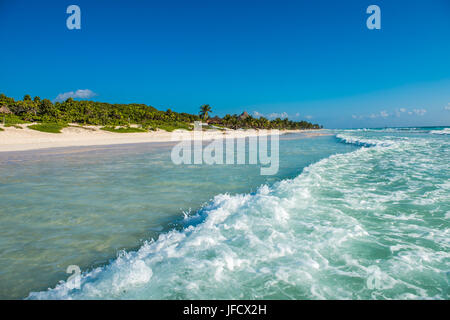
(244, 115)
(4, 110)
(214, 120)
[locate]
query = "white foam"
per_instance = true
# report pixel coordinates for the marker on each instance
(445, 131)
(337, 231)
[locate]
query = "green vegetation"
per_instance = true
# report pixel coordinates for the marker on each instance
(123, 129)
(1, 129)
(48, 127)
(246, 121)
(54, 116)
(170, 126)
(13, 125)
(11, 119)
(81, 127)
(204, 111)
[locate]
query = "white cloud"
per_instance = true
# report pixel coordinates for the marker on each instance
(382, 114)
(79, 94)
(385, 114)
(420, 112)
(281, 115)
(447, 107)
(400, 111)
(257, 114)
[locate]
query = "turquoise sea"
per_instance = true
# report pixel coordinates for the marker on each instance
(357, 214)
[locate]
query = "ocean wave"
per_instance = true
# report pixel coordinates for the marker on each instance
(402, 130)
(363, 141)
(351, 226)
(390, 130)
(445, 131)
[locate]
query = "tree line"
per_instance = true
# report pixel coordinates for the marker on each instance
(86, 112)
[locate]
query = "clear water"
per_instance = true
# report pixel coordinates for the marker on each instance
(360, 215)
(82, 206)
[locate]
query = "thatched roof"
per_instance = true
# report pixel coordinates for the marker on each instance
(244, 115)
(215, 119)
(5, 110)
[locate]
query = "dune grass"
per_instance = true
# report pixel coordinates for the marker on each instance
(169, 126)
(11, 120)
(13, 125)
(81, 127)
(48, 127)
(123, 129)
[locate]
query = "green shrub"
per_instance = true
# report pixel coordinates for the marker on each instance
(48, 127)
(13, 125)
(123, 129)
(11, 119)
(169, 125)
(81, 127)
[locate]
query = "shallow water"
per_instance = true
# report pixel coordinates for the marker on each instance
(82, 206)
(360, 215)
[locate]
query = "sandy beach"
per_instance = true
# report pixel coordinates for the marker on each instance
(14, 139)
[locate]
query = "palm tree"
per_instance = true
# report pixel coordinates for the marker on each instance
(204, 111)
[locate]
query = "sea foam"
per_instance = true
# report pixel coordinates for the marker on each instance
(352, 226)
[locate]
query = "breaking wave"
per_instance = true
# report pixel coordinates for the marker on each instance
(445, 131)
(370, 224)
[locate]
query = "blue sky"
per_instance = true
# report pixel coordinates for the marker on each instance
(313, 60)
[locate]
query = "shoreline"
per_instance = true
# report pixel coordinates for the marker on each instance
(25, 139)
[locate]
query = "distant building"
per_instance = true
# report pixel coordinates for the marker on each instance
(214, 120)
(5, 110)
(244, 115)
